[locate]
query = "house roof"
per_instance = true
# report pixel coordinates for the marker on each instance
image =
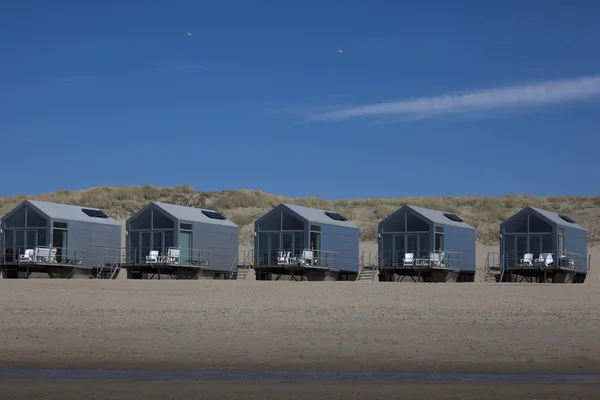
(438, 217)
(69, 212)
(552, 217)
(435, 216)
(191, 214)
(317, 216)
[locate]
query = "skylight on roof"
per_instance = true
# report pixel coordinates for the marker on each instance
(213, 215)
(335, 216)
(566, 218)
(453, 217)
(94, 213)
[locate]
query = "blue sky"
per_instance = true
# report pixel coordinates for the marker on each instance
(485, 98)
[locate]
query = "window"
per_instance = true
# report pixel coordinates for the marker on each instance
(213, 214)
(61, 225)
(453, 217)
(335, 216)
(94, 213)
(439, 229)
(566, 218)
(315, 228)
(187, 227)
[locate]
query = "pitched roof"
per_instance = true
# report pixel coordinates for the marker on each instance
(318, 216)
(69, 212)
(438, 217)
(555, 218)
(192, 214)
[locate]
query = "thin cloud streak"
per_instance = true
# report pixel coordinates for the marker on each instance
(532, 95)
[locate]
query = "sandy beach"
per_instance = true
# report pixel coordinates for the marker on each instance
(478, 328)
(309, 326)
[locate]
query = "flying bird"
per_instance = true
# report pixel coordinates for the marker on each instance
(339, 51)
(188, 34)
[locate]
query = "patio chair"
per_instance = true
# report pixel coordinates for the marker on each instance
(28, 256)
(173, 256)
(409, 260)
(152, 257)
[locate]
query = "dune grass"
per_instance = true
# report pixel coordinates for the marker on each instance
(244, 206)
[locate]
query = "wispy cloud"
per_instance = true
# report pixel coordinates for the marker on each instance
(484, 100)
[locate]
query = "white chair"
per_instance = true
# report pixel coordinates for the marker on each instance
(548, 259)
(283, 257)
(53, 252)
(306, 258)
(28, 256)
(152, 257)
(527, 260)
(409, 260)
(42, 254)
(173, 256)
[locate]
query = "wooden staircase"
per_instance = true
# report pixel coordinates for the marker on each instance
(493, 269)
(369, 274)
(242, 265)
(368, 268)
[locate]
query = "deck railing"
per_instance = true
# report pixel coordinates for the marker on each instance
(44, 255)
(298, 257)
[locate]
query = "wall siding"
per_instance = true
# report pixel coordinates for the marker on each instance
(463, 241)
(93, 239)
(344, 241)
(576, 242)
(221, 241)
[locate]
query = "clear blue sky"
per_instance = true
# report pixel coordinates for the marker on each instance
(115, 93)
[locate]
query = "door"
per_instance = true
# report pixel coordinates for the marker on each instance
(315, 246)
(158, 243)
(399, 250)
(59, 242)
(19, 243)
(185, 244)
(561, 245)
(412, 245)
(535, 245)
(287, 242)
(298, 243)
(521, 247)
(144, 248)
(274, 246)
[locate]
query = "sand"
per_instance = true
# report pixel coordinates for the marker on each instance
(290, 390)
(308, 326)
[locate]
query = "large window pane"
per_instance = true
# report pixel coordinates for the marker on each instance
(291, 223)
(35, 220)
(42, 239)
(535, 244)
(161, 221)
(415, 224)
(547, 244)
(538, 225)
(31, 239)
(423, 246)
(17, 220)
(142, 222)
(298, 243)
(168, 239)
(396, 223)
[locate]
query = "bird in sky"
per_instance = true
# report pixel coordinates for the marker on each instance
(339, 51)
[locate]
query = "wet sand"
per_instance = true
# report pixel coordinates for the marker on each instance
(290, 390)
(303, 326)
